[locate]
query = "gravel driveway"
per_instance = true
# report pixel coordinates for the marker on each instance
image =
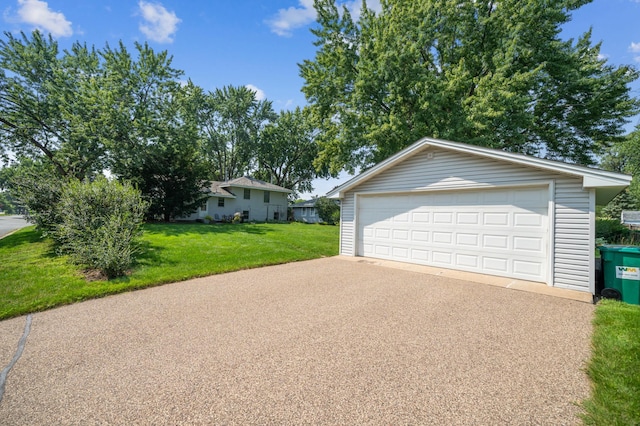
(328, 341)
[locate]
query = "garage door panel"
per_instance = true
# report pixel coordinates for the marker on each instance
(443, 218)
(495, 264)
(443, 237)
(401, 234)
(466, 260)
(468, 218)
(418, 236)
(502, 232)
(420, 217)
(495, 219)
(527, 219)
(523, 267)
(442, 257)
(469, 240)
(528, 244)
(419, 256)
(495, 241)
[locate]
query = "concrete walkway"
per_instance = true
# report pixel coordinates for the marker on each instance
(328, 341)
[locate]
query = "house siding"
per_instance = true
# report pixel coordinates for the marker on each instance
(439, 169)
(258, 209)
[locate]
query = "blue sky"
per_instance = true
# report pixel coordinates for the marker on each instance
(258, 43)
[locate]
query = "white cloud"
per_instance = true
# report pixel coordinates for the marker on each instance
(602, 56)
(287, 20)
(38, 14)
(260, 95)
(160, 25)
(635, 48)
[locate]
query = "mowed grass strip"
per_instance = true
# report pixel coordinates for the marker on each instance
(34, 278)
(614, 368)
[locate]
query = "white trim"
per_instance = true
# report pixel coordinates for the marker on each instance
(592, 178)
(466, 187)
(354, 246)
(592, 241)
(551, 271)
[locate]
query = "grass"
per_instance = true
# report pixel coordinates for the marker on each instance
(614, 368)
(33, 278)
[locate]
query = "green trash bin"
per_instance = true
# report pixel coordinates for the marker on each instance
(621, 266)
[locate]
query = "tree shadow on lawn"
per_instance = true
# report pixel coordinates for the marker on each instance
(20, 238)
(178, 229)
(30, 236)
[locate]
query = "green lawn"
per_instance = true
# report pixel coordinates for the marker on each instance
(614, 368)
(32, 278)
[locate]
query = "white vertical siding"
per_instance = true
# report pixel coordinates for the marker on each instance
(439, 169)
(573, 242)
(348, 225)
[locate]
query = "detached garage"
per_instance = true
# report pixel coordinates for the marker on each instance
(463, 207)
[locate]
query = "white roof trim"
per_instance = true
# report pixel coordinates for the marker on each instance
(592, 178)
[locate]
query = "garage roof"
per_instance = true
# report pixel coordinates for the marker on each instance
(607, 184)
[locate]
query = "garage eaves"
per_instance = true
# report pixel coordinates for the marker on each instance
(607, 184)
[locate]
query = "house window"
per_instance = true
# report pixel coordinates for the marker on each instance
(276, 215)
(245, 215)
(267, 196)
(203, 207)
(220, 202)
(247, 194)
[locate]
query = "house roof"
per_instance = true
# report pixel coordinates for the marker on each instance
(607, 184)
(248, 182)
(215, 190)
(307, 203)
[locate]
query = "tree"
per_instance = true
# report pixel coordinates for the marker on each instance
(232, 120)
(486, 72)
(152, 135)
(328, 210)
(7, 203)
(47, 104)
(85, 110)
(624, 158)
(286, 150)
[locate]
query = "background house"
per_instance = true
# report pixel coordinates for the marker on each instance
(305, 211)
(464, 207)
(252, 198)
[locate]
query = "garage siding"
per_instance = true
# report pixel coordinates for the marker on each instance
(572, 241)
(434, 169)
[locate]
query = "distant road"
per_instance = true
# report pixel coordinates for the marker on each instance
(11, 223)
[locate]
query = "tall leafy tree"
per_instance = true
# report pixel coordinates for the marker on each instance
(492, 73)
(624, 158)
(152, 129)
(173, 172)
(232, 120)
(286, 151)
(47, 103)
(83, 110)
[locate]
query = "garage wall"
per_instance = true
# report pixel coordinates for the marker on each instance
(433, 169)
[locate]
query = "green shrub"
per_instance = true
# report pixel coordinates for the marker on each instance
(38, 188)
(611, 231)
(100, 224)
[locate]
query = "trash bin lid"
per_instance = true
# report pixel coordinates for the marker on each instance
(620, 248)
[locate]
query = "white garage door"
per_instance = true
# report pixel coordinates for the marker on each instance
(499, 232)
